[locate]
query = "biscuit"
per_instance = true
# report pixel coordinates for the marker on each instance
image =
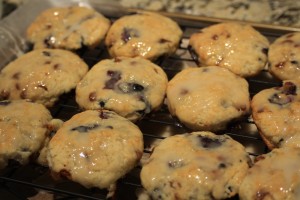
(237, 47)
(276, 113)
(284, 57)
(68, 28)
(24, 127)
(41, 75)
(145, 34)
(274, 176)
(207, 98)
(132, 87)
(199, 165)
(99, 147)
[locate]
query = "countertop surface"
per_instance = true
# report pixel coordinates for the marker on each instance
(278, 12)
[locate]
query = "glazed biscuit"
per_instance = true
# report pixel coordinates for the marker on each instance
(132, 87)
(198, 165)
(284, 57)
(237, 47)
(95, 148)
(207, 98)
(68, 28)
(145, 34)
(274, 176)
(41, 75)
(276, 113)
(24, 127)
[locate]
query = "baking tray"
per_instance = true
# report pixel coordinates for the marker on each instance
(35, 182)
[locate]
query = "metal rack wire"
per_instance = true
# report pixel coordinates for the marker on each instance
(21, 182)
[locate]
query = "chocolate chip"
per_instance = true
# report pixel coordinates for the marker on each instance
(102, 104)
(129, 33)
(280, 65)
(281, 140)
(137, 87)
(23, 94)
(84, 129)
(109, 127)
(4, 95)
(265, 51)
(43, 86)
(222, 165)
(193, 54)
(103, 114)
(184, 91)
(46, 53)
(215, 37)
(297, 45)
(280, 99)
(65, 173)
(93, 96)
(117, 60)
(17, 85)
(48, 26)
(115, 76)
(162, 41)
(285, 94)
(130, 87)
(56, 66)
(289, 88)
(47, 62)
(260, 110)
(156, 194)
(207, 142)
(294, 62)
(16, 75)
(4, 103)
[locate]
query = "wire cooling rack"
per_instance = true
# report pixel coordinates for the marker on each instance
(35, 182)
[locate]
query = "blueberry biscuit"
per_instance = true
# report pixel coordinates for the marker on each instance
(41, 75)
(274, 176)
(276, 113)
(237, 47)
(99, 147)
(144, 34)
(132, 87)
(68, 28)
(24, 127)
(204, 166)
(207, 98)
(284, 57)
